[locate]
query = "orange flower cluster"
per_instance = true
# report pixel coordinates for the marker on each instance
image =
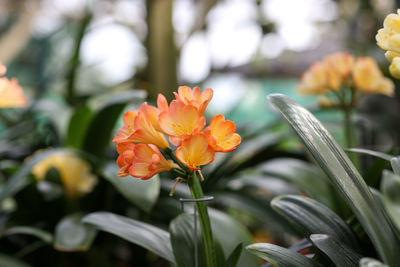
(11, 94)
(142, 135)
(343, 70)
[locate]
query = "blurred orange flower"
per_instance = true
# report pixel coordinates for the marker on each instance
(11, 94)
(221, 134)
(368, 78)
(195, 152)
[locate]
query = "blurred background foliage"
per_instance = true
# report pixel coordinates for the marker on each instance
(83, 62)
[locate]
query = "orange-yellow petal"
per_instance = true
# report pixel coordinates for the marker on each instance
(221, 134)
(124, 161)
(148, 161)
(162, 103)
(195, 151)
(11, 94)
(128, 128)
(194, 97)
(181, 121)
(143, 129)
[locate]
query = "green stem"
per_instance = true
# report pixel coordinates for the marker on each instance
(350, 136)
(197, 192)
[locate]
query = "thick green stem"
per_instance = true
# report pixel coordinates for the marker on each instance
(197, 192)
(350, 136)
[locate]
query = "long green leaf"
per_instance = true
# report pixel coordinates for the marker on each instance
(369, 262)
(143, 194)
(27, 230)
(333, 160)
(311, 217)
(8, 261)
(145, 235)
(281, 257)
(72, 235)
(337, 252)
(99, 132)
(390, 188)
(233, 258)
(395, 162)
(371, 153)
(78, 125)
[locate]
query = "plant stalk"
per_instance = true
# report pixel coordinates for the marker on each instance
(197, 192)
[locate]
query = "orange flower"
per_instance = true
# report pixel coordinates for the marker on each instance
(369, 79)
(148, 161)
(194, 97)
(181, 121)
(195, 151)
(314, 80)
(162, 103)
(341, 63)
(221, 134)
(11, 94)
(141, 127)
(125, 158)
(128, 128)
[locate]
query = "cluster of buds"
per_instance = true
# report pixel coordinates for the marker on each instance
(143, 147)
(388, 39)
(340, 75)
(11, 94)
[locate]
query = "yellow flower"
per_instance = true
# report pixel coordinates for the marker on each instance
(11, 94)
(394, 68)
(368, 78)
(75, 173)
(388, 38)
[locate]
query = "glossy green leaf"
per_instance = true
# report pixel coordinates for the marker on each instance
(98, 134)
(395, 162)
(371, 153)
(78, 125)
(143, 194)
(145, 235)
(390, 188)
(308, 178)
(182, 240)
(281, 257)
(19, 179)
(312, 217)
(27, 230)
(8, 261)
(183, 243)
(72, 234)
(338, 167)
(369, 262)
(337, 252)
(233, 258)
(230, 233)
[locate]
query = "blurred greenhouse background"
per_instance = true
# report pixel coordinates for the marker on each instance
(81, 63)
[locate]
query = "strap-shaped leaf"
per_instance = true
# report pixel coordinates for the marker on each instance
(371, 153)
(146, 235)
(27, 230)
(143, 194)
(281, 257)
(233, 258)
(338, 167)
(390, 187)
(337, 252)
(395, 162)
(369, 262)
(312, 217)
